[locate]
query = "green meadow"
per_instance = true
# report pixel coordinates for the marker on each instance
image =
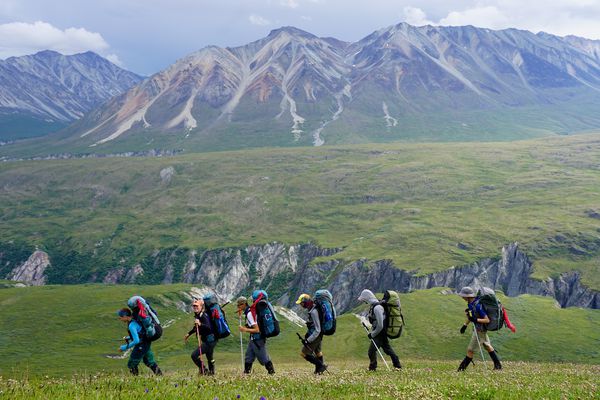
(427, 207)
(54, 343)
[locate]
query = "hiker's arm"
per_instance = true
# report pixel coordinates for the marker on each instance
(135, 339)
(254, 329)
(317, 325)
(379, 317)
(484, 317)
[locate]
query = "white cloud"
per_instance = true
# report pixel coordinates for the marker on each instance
(113, 58)
(289, 3)
(488, 17)
(258, 20)
(20, 38)
(415, 16)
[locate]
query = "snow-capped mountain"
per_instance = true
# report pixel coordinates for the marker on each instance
(399, 83)
(55, 88)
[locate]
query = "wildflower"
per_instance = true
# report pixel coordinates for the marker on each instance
(146, 390)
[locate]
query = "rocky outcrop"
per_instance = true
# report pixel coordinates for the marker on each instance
(511, 274)
(286, 271)
(32, 271)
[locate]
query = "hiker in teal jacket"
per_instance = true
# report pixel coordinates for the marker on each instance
(137, 340)
(378, 334)
(476, 314)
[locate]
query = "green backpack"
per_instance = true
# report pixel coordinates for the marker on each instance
(492, 306)
(394, 320)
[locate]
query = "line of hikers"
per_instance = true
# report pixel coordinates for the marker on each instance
(260, 322)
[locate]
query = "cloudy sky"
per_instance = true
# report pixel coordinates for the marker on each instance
(146, 36)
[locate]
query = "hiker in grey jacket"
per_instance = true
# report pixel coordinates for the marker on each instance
(311, 351)
(377, 334)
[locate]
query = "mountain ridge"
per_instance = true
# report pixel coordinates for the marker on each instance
(57, 89)
(407, 83)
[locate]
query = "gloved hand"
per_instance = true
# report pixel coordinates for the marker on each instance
(472, 318)
(463, 329)
(370, 335)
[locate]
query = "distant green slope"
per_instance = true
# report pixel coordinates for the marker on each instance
(425, 206)
(57, 330)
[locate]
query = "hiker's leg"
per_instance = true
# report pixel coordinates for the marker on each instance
(372, 357)
(137, 354)
(465, 363)
(473, 346)
(485, 341)
(263, 356)
(261, 351)
(196, 358)
(150, 362)
(389, 350)
(208, 349)
(494, 357)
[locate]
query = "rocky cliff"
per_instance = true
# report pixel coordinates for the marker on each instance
(32, 270)
(286, 271)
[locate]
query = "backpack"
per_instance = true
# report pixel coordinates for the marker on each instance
(394, 320)
(327, 316)
(143, 313)
(265, 315)
(493, 308)
(216, 316)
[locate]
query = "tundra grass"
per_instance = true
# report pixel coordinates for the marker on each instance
(63, 330)
(427, 207)
(419, 379)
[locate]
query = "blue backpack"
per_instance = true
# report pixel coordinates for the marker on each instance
(265, 315)
(145, 315)
(216, 316)
(327, 316)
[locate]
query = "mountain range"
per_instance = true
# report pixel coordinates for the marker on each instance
(403, 82)
(45, 91)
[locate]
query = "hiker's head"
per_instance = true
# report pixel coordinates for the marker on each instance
(197, 305)
(367, 296)
(242, 303)
(124, 314)
(305, 301)
(467, 293)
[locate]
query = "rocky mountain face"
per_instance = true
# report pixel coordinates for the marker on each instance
(398, 82)
(53, 88)
(287, 271)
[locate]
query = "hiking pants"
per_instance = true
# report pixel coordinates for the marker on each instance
(315, 346)
(207, 350)
(483, 339)
(141, 352)
(383, 343)
(257, 348)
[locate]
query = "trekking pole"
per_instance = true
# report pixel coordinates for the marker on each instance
(379, 351)
(479, 343)
(241, 344)
(200, 350)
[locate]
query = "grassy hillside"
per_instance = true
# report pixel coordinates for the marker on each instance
(425, 206)
(60, 330)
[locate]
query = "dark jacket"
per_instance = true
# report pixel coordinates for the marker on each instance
(205, 328)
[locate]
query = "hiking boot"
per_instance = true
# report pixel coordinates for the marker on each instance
(156, 370)
(211, 368)
(134, 371)
(396, 363)
(247, 368)
(494, 357)
(270, 368)
(320, 368)
(373, 367)
(465, 363)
